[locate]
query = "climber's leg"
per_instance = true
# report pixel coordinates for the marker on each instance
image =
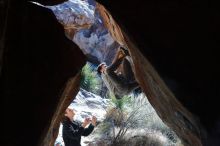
(132, 86)
(127, 70)
(118, 54)
(125, 51)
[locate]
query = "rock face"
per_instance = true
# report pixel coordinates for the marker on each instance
(38, 61)
(87, 103)
(183, 50)
(161, 98)
(96, 43)
(84, 25)
(74, 14)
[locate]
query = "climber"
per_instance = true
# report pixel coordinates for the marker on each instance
(119, 84)
(72, 130)
(58, 144)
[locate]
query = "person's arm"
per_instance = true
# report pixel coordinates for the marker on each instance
(72, 133)
(88, 130)
(115, 65)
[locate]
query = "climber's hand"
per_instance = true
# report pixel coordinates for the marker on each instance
(125, 51)
(121, 54)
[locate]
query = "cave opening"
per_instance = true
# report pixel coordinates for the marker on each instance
(92, 28)
(129, 120)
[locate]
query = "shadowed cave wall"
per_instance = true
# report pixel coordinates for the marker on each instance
(38, 61)
(181, 40)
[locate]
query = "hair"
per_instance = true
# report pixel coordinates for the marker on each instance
(99, 67)
(64, 117)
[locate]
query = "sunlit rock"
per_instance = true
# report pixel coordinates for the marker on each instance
(97, 41)
(84, 26)
(88, 104)
(74, 14)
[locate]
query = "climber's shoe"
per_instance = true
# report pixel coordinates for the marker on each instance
(125, 51)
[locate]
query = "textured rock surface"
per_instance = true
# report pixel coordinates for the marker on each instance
(38, 60)
(74, 14)
(168, 108)
(84, 25)
(181, 41)
(112, 26)
(160, 97)
(87, 103)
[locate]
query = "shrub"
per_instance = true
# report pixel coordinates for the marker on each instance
(132, 121)
(89, 79)
(124, 115)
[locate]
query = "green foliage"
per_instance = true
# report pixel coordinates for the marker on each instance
(125, 117)
(121, 103)
(104, 128)
(89, 79)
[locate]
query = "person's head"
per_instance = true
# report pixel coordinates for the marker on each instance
(70, 113)
(58, 144)
(101, 68)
